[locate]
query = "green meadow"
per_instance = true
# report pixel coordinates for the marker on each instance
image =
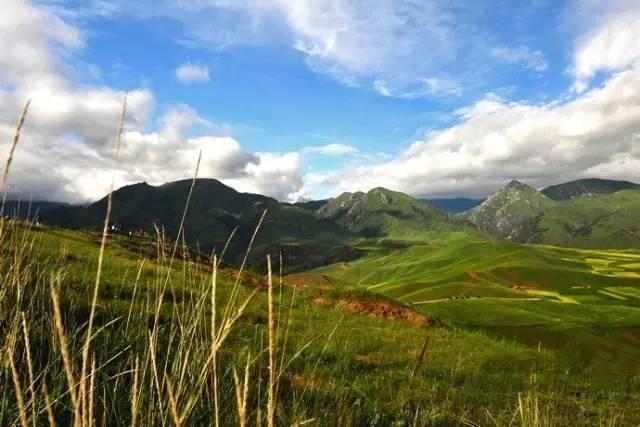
(583, 303)
(353, 344)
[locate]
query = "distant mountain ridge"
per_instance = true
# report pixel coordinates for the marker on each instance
(519, 213)
(24, 209)
(215, 211)
(313, 233)
(382, 212)
(589, 186)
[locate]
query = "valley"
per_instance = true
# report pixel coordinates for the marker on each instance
(384, 303)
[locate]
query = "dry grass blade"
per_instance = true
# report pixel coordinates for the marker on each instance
(12, 148)
(7, 165)
(22, 412)
(27, 349)
(47, 404)
(420, 359)
(64, 349)
(134, 394)
(213, 356)
(173, 403)
(242, 392)
(96, 288)
(92, 392)
(271, 400)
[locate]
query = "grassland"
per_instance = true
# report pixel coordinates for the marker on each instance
(337, 366)
(583, 302)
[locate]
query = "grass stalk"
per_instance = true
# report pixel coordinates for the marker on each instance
(96, 288)
(22, 412)
(271, 398)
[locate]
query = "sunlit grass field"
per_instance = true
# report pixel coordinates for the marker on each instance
(583, 301)
(335, 365)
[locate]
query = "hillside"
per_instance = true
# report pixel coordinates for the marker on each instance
(29, 209)
(381, 212)
(588, 187)
(609, 221)
(215, 210)
(511, 213)
(336, 348)
(519, 213)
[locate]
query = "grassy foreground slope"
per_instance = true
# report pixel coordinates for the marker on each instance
(556, 296)
(342, 359)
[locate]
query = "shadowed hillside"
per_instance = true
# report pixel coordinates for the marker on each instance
(589, 187)
(215, 210)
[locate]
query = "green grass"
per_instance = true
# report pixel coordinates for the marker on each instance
(340, 367)
(513, 290)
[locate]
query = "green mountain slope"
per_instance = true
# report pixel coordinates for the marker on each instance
(610, 221)
(382, 212)
(519, 213)
(215, 210)
(591, 186)
(511, 213)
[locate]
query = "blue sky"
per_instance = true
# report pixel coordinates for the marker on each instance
(310, 98)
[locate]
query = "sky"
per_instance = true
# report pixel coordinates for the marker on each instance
(307, 99)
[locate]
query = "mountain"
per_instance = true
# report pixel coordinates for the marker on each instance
(511, 213)
(29, 209)
(311, 205)
(590, 186)
(605, 221)
(454, 205)
(382, 212)
(519, 213)
(215, 210)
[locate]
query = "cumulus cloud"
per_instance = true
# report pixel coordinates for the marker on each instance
(595, 134)
(191, 73)
(66, 152)
(609, 41)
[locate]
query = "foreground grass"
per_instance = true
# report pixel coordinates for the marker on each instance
(153, 359)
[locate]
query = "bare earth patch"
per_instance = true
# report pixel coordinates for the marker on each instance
(384, 310)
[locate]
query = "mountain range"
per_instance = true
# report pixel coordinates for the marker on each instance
(585, 213)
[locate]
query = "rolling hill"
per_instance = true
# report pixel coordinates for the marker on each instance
(588, 187)
(215, 210)
(385, 213)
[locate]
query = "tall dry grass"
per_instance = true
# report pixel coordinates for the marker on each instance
(170, 369)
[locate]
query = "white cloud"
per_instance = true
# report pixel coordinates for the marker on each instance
(418, 88)
(410, 45)
(533, 59)
(331, 150)
(66, 151)
(609, 41)
(596, 134)
(191, 73)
